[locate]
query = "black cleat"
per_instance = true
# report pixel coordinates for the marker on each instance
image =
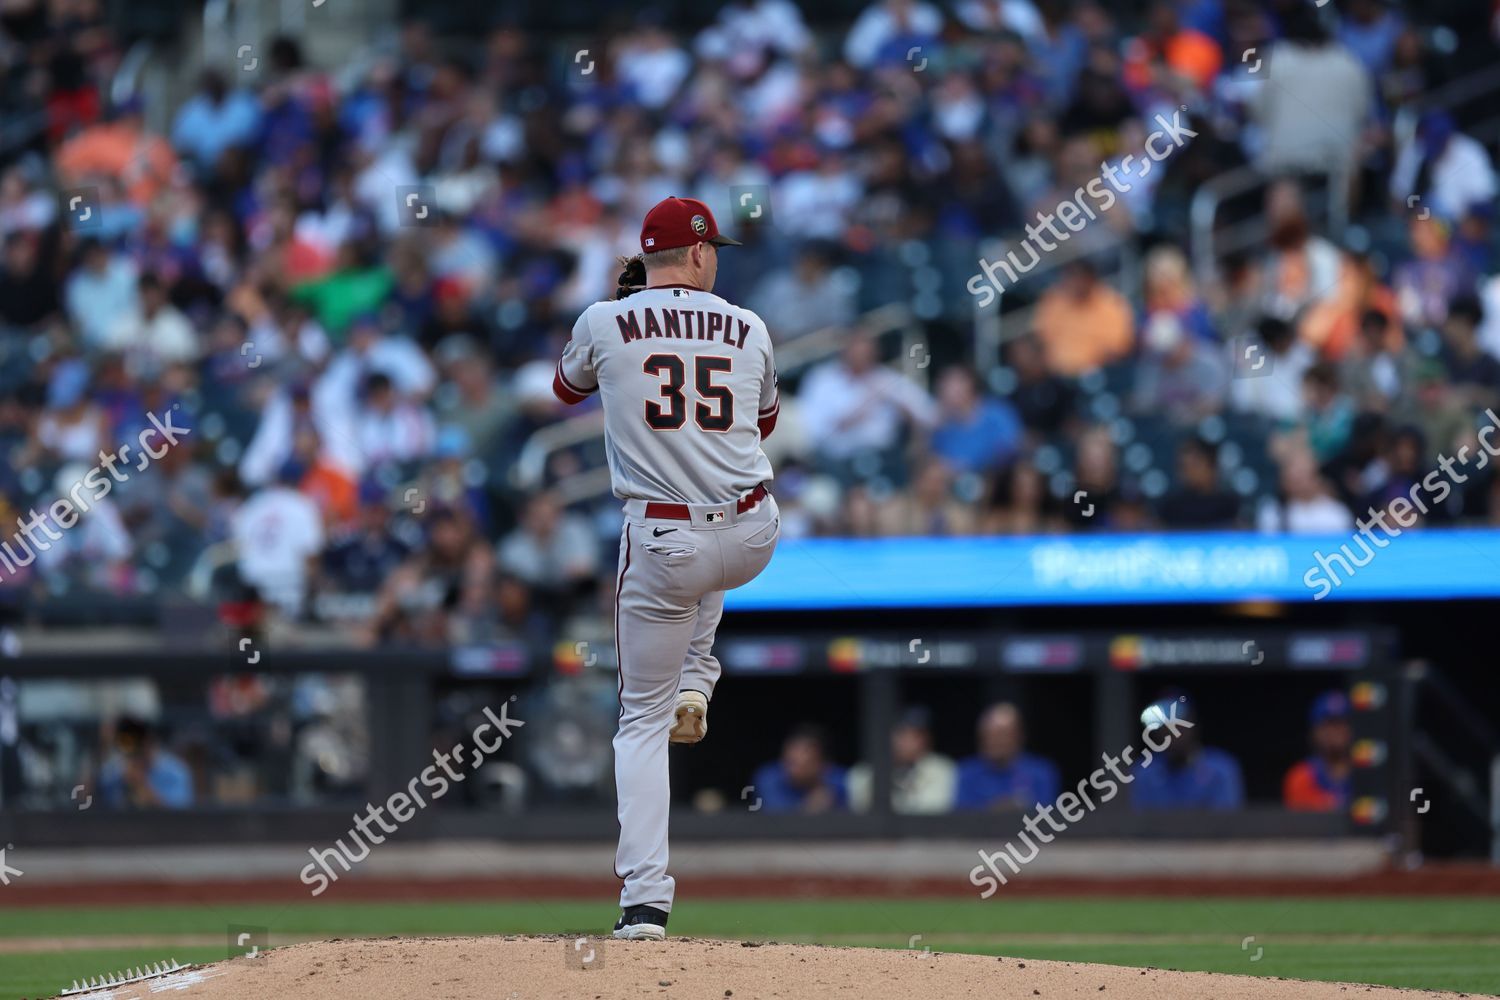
(641, 922)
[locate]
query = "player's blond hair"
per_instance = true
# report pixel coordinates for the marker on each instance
(668, 258)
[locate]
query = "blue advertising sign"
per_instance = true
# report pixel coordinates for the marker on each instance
(826, 573)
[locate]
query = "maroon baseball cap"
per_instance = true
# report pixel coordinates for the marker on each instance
(681, 222)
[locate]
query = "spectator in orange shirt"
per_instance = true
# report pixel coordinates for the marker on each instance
(1331, 326)
(120, 148)
(1083, 324)
(1168, 52)
(332, 488)
(1321, 782)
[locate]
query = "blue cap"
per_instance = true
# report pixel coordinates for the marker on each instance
(1329, 705)
(452, 442)
(132, 104)
(291, 472)
(371, 493)
(365, 319)
(70, 380)
(1434, 131)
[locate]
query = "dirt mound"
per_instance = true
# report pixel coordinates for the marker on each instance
(540, 968)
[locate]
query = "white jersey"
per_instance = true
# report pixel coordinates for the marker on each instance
(687, 380)
(276, 530)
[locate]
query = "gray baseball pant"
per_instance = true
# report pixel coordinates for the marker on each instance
(668, 602)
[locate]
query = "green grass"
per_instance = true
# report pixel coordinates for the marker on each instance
(46, 973)
(1451, 944)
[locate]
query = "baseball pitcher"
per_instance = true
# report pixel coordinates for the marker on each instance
(689, 392)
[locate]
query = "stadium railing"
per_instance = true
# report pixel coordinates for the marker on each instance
(1212, 243)
(1423, 681)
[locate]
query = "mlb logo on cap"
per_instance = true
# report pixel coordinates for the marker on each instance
(681, 222)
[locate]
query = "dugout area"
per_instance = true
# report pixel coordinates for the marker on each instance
(1418, 718)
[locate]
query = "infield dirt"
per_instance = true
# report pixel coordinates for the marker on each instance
(542, 968)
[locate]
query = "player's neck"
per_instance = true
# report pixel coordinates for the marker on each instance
(668, 277)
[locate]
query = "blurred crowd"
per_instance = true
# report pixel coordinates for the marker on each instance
(353, 285)
(1183, 774)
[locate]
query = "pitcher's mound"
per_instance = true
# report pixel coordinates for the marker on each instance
(540, 968)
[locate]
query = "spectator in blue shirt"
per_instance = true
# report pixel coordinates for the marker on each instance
(802, 780)
(975, 433)
(140, 774)
(1369, 29)
(215, 119)
(1185, 774)
(1001, 775)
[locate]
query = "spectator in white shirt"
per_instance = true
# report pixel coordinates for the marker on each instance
(1306, 505)
(551, 550)
(923, 782)
(1274, 389)
(392, 429)
(459, 253)
(887, 21)
(652, 65)
(861, 407)
(101, 291)
(807, 296)
(288, 411)
(97, 546)
(278, 532)
(753, 28)
(372, 350)
(155, 336)
(816, 204)
(72, 428)
(1300, 268)
(287, 332)
(993, 16)
(1489, 329)
(1448, 171)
